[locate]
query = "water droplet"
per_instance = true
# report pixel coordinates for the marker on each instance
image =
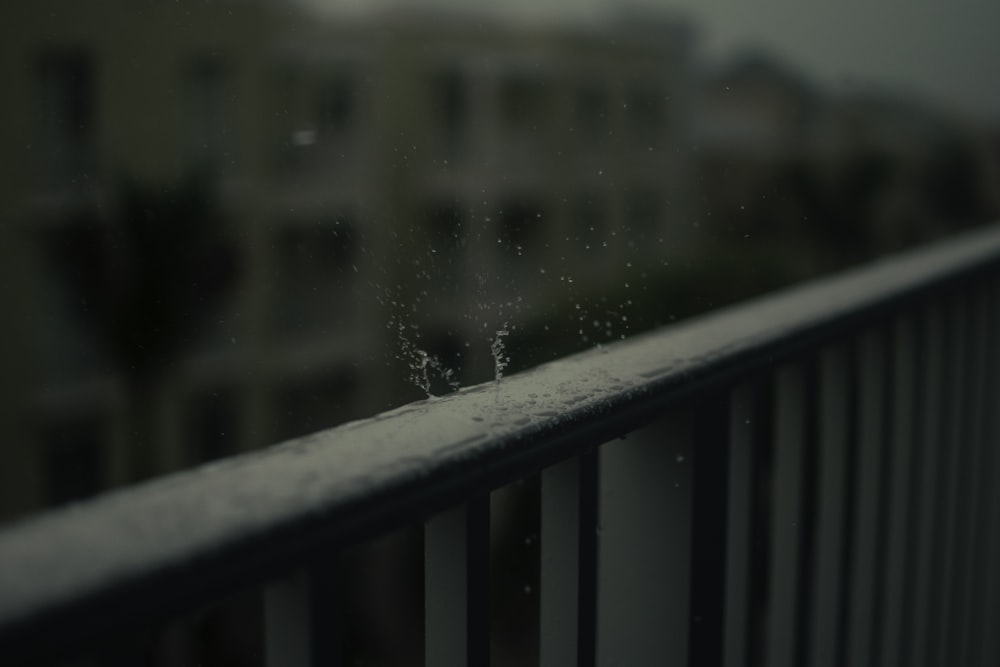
(500, 358)
(304, 137)
(422, 364)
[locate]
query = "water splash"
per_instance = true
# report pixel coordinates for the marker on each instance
(421, 370)
(424, 366)
(500, 357)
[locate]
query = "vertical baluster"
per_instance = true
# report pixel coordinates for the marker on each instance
(762, 493)
(302, 619)
(456, 565)
(446, 588)
(287, 623)
(987, 524)
(644, 546)
(478, 584)
(738, 528)
(886, 461)
(986, 638)
(850, 497)
(929, 439)
(969, 478)
(515, 572)
(710, 494)
(901, 461)
(560, 568)
(915, 498)
(589, 542)
(786, 521)
(975, 567)
(951, 446)
(866, 515)
(808, 512)
(963, 453)
(829, 538)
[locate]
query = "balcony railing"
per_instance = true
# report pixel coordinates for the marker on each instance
(818, 486)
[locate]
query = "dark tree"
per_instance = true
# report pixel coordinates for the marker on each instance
(152, 270)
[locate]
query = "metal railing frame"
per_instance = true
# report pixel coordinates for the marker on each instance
(891, 564)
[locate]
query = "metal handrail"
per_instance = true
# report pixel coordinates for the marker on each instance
(179, 541)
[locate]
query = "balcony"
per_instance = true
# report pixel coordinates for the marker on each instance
(804, 478)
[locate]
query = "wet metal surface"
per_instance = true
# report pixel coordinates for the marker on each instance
(185, 539)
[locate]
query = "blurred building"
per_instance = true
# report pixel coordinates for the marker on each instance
(832, 178)
(226, 224)
(100, 94)
(230, 223)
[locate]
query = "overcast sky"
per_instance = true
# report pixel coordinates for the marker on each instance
(946, 51)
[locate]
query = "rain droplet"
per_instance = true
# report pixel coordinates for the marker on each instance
(500, 358)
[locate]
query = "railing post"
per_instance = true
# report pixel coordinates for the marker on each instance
(786, 521)
(302, 622)
(710, 495)
(446, 595)
(827, 586)
(867, 517)
(954, 446)
(590, 499)
(986, 640)
(456, 565)
(738, 532)
(560, 566)
(478, 585)
(644, 546)
(971, 479)
(903, 385)
(929, 437)
(288, 623)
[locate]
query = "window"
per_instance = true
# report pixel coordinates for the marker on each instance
(74, 459)
(315, 265)
(208, 101)
(67, 134)
(590, 222)
(449, 90)
(521, 227)
(592, 107)
(71, 344)
(338, 104)
(214, 428)
(313, 403)
(646, 115)
(523, 102)
(446, 238)
(643, 216)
